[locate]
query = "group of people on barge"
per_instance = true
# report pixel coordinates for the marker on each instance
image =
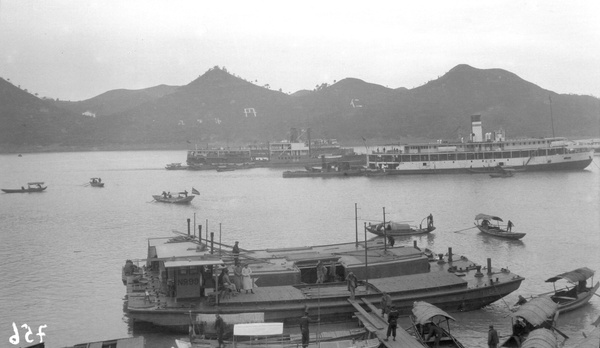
(242, 280)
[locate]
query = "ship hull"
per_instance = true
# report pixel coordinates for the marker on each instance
(576, 162)
(332, 310)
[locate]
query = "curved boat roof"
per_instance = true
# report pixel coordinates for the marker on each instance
(574, 276)
(424, 311)
(537, 310)
(36, 183)
(540, 338)
(487, 217)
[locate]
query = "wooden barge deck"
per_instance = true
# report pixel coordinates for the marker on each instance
(285, 284)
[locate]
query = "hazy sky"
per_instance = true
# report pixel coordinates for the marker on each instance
(75, 50)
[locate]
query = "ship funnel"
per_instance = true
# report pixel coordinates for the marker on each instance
(476, 129)
(293, 135)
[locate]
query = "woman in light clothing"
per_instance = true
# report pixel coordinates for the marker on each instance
(237, 276)
(247, 278)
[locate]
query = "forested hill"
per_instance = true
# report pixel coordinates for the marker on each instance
(220, 107)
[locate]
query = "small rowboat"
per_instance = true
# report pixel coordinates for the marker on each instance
(96, 182)
(487, 227)
(539, 313)
(31, 187)
(181, 198)
(579, 294)
(175, 166)
(425, 317)
(395, 229)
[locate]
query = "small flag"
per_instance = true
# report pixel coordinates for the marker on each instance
(195, 192)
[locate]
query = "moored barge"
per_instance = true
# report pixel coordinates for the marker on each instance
(177, 280)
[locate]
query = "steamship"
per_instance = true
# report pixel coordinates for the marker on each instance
(480, 154)
(299, 150)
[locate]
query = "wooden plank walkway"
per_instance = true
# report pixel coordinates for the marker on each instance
(403, 338)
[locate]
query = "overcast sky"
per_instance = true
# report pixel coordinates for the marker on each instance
(75, 50)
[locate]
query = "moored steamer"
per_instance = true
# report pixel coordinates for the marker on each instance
(180, 276)
(481, 155)
(299, 150)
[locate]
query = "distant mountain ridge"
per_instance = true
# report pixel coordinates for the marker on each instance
(220, 107)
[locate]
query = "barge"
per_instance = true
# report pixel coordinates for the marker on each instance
(176, 284)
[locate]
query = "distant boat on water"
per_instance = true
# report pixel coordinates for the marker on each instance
(31, 187)
(178, 198)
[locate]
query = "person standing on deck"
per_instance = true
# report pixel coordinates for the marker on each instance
(509, 226)
(392, 323)
(304, 323)
(236, 252)
(220, 329)
(321, 271)
(352, 284)
(332, 272)
(247, 278)
(430, 221)
(237, 276)
(493, 339)
(386, 303)
(391, 240)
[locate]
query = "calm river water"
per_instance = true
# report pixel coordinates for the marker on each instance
(61, 251)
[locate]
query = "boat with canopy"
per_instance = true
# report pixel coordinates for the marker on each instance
(424, 317)
(579, 294)
(539, 313)
(490, 225)
(36, 186)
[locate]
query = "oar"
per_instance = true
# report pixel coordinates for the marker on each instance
(560, 332)
(464, 229)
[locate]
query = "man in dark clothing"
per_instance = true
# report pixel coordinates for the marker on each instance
(236, 253)
(220, 329)
(392, 323)
(493, 339)
(509, 226)
(304, 323)
(391, 240)
(435, 331)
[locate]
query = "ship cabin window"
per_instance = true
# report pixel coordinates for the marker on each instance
(415, 158)
(443, 157)
(479, 155)
(405, 158)
(506, 154)
(461, 156)
(470, 156)
(433, 157)
(424, 158)
(488, 155)
(551, 152)
(451, 157)
(497, 154)
(515, 154)
(183, 271)
(524, 154)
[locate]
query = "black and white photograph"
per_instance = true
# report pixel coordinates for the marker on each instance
(333, 174)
